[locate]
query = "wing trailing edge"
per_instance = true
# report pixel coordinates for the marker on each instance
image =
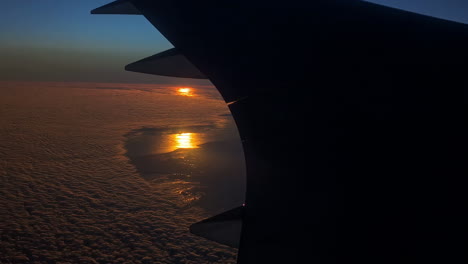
(119, 7)
(167, 63)
(224, 228)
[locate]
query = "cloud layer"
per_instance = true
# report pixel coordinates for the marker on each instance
(69, 194)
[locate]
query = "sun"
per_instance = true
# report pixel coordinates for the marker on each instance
(185, 91)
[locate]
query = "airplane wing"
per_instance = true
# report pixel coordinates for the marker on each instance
(352, 118)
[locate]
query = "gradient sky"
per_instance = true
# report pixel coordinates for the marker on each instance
(58, 40)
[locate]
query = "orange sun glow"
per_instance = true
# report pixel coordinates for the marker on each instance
(185, 91)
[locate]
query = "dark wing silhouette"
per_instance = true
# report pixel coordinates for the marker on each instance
(352, 118)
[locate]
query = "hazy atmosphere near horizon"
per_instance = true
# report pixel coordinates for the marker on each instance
(99, 165)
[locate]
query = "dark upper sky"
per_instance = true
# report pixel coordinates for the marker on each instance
(58, 40)
(456, 10)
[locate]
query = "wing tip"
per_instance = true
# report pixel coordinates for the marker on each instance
(119, 7)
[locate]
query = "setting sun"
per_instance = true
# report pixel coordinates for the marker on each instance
(185, 91)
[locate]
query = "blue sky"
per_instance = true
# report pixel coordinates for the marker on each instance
(68, 23)
(60, 40)
(456, 10)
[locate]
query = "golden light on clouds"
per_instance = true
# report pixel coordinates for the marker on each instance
(185, 91)
(186, 140)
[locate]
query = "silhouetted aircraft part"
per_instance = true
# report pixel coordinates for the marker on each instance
(167, 63)
(119, 7)
(352, 118)
(224, 228)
